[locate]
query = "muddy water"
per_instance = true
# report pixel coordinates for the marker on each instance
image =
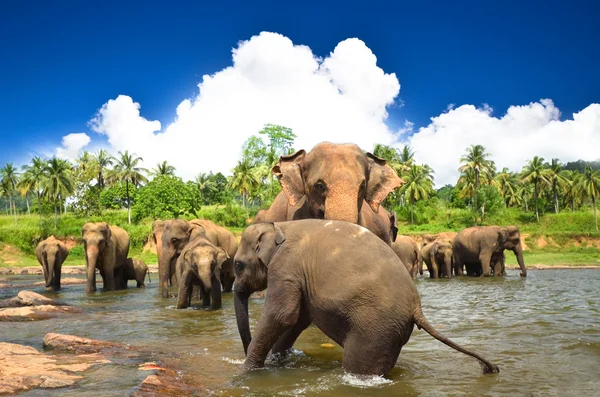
(543, 332)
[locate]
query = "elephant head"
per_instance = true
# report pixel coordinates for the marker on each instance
(441, 253)
(259, 244)
(175, 236)
(509, 238)
(96, 237)
(51, 256)
(157, 231)
(205, 260)
(335, 180)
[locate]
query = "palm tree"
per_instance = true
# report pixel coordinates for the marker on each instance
(58, 183)
(31, 181)
(9, 177)
(204, 183)
(475, 159)
(244, 179)
(466, 184)
(507, 184)
(590, 184)
(556, 179)
(419, 186)
(572, 189)
(4, 193)
(127, 169)
(163, 169)
(536, 173)
(102, 160)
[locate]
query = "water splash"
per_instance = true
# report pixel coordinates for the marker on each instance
(234, 361)
(365, 381)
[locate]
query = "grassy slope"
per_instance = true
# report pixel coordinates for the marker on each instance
(559, 239)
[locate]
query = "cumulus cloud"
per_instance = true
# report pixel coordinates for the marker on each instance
(514, 138)
(72, 144)
(341, 98)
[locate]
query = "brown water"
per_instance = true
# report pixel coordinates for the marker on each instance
(543, 332)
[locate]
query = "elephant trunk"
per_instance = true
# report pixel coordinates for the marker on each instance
(342, 205)
(205, 275)
(240, 302)
(519, 254)
(92, 258)
(448, 264)
(50, 262)
(164, 271)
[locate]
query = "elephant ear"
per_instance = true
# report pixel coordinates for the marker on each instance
(196, 230)
(502, 237)
(381, 181)
(222, 256)
(288, 171)
(106, 231)
(269, 239)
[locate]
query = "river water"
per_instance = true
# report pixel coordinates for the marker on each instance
(543, 332)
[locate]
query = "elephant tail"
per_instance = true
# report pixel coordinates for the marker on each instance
(422, 323)
(149, 280)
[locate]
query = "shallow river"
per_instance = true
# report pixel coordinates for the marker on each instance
(543, 332)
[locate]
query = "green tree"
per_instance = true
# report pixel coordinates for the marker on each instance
(115, 196)
(9, 178)
(58, 183)
(127, 170)
(205, 184)
(419, 186)
(102, 162)
(535, 173)
(281, 140)
(507, 184)
(476, 160)
(572, 189)
(165, 197)
(590, 184)
(163, 169)
(32, 179)
(244, 180)
(557, 180)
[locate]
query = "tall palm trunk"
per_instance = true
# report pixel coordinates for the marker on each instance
(595, 214)
(554, 187)
(27, 202)
(55, 215)
(535, 197)
(412, 213)
(476, 188)
(128, 203)
(39, 207)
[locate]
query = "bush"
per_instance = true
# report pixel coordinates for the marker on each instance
(166, 197)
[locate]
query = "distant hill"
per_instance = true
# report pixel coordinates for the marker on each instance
(580, 165)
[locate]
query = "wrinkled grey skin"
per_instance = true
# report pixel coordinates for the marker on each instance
(51, 253)
(136, 269)
(106, 248)
(371, 315)
(438, 258)
(200, 264)
(409, 253)
(480, 248)
(333, 181)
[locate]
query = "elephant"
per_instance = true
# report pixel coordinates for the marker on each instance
(438, 258)
(409, 253)
(430, 238)
(157, 230)
(136, 269)
(481, 248)
(106, 249)
(333, 182)
(200, 264)
(314, 272)
(51, 254)
(221, 237)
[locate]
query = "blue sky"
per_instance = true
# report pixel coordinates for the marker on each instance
(63, 60)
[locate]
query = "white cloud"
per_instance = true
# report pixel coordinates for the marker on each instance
(72, 144)
(341, 98)
(523, 132)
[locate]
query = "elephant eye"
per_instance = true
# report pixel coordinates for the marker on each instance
(239, 266)
(174, 240)
(320, 187)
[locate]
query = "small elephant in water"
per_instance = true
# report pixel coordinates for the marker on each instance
(481, 250)
(136, 269)
(200, 264)
(106, 249)
(409, 253)
(370, 312)
(438, 258)
(51, 254)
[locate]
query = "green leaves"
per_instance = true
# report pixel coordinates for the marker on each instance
(166, 197)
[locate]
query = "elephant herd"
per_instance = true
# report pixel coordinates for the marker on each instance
(326, 252)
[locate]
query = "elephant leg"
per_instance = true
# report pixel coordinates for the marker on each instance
(281, 312)
(205, 296)
(215, 292)
(367, 354)
(435, 270)
(485, 259)
(185, 290)
(56, 280)
(287, 340)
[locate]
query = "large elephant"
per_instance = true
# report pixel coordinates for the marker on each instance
(106, 249)
(51, 253)
(430, 238)
(481, 248)
(438, 258)
(334, 182)
(409, 253)
(136, 269)
(200, 264)
(371, 316)
(221, 237)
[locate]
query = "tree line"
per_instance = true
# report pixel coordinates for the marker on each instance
(99, 181)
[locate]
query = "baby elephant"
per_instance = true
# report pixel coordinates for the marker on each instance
(438, 258)
(200, 264)
(136, 269)
(51, 253)
(337, 275)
